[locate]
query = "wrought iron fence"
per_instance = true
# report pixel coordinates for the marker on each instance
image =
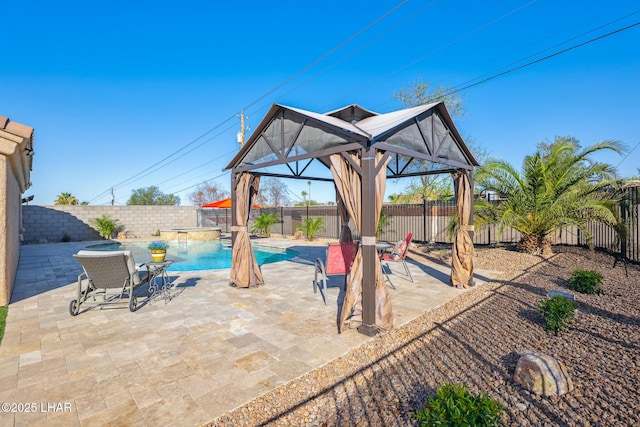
(429, 221)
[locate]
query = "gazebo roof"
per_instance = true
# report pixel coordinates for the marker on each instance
(420, 140)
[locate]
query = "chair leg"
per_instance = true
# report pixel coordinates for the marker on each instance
(387, 275)
(406, 268)
(319, 268)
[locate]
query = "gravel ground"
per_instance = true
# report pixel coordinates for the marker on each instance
(476, 339)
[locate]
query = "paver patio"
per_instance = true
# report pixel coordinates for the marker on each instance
(208, 350)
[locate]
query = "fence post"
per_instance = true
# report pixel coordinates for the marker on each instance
(623, 239)
(424, 219)
(489, 228)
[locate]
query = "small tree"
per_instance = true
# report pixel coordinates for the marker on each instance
(207, 192)
(560, 184)
(66, 199)
(263, 223)
(105, 226)
(311, 226)
(274, 192)
(152, 196)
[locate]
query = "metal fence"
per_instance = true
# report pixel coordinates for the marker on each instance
(429, 220)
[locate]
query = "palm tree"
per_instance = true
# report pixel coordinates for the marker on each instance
(559, 186)
(66, 199)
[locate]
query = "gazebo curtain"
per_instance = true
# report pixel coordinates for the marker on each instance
(462, 251)
(345, 231)
(245, 272)
(349, 186)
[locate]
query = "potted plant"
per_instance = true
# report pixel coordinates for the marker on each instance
(158, 250)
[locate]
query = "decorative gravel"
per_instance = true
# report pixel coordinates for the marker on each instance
(476, 339)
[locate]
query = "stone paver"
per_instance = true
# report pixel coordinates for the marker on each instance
(206, 351)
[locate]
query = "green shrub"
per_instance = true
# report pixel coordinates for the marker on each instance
(383, 224)
(586, 281)
(311, 226)
(556, 311)
(454, 405)
(105, 226)
(3, 319)
(262, 224)
(65, 237)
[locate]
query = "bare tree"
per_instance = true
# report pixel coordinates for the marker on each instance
(207, 192)
(434, 187)
(274, 192)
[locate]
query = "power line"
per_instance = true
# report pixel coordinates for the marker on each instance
(296, 75)
(541, 59)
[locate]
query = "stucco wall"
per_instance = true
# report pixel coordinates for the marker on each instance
(52, 222)
(10, 228)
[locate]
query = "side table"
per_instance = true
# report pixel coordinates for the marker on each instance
(159, 281)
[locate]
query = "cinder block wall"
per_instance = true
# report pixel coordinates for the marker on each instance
(52, 222)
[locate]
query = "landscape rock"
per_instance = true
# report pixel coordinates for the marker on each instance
(542, 374)
(561, 293)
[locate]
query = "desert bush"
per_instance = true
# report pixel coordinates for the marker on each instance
(311, 226)
(586, 281)
(556, 311)
(262, 224)
(454, 405)
(105, 226)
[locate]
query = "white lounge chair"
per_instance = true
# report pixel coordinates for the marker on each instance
(108, 278)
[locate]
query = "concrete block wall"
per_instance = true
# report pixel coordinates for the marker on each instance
(50, 223)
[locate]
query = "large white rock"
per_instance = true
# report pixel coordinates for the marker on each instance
(542, 374)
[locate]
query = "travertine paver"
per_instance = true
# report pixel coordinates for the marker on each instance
(206, 351)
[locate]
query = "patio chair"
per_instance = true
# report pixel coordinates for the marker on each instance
(398, 254)
(107, 278)
(340, 257)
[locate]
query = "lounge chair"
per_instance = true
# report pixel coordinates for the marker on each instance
(108, 278)
(340, 257)
(398, 254)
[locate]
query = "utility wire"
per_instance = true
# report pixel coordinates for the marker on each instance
(304, 70)
(528, 64)
(550, 47)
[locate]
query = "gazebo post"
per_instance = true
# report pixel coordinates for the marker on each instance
(471, 215)
(234, 220)
(368, 239)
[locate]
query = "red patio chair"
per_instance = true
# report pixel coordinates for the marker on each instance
(340, 257)
(398, 254)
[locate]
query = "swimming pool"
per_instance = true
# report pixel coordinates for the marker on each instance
(193, 256)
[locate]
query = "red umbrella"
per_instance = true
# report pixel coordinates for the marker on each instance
(224, 203)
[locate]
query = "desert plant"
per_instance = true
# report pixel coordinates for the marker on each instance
(105, 226)
(65, 237)
(311, 226)
(263, 223)
(3, 320)
(383, 223)
(559, 184)
(157, 233)
(586, 281)
(556, 311)
(454, 405)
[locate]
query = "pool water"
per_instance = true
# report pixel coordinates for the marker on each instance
(193, 256)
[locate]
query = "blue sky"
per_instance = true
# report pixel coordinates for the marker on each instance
(113, 88)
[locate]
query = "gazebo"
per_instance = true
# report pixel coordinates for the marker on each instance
(361, 149)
